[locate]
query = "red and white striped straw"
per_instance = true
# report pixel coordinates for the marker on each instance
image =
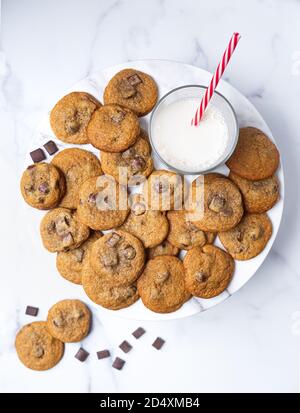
(215, 79)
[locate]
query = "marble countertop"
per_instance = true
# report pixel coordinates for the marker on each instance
(250, 343)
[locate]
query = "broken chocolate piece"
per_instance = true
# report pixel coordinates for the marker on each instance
(158, 343)
(33, 311)
(51, 147)
(118, 363)
(125, 346)
(103, 354)
(37, 155)
(138, 332)
(81, 354)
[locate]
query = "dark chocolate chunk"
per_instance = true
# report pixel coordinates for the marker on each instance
(81, 354)
(134, 80)
(37, 155)
(103, 354)
(32, 311)
(125, 346)
(118, 363)
(51, 147)
(158, 343)
(138, 332)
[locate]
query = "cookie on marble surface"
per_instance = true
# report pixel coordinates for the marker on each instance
(113, 128)
(249, 237)
(36, 348)
(208, 271)
(161, 285)
(42, 185)
(217, 205)
(255, 156)
(132, 89)
(151, 227)
(77, 166)
(165, 248)
(62, 231)
(69, 321)
(70, 263)
(70, 116)
(118, 257)
(259, 196)
(106, 295)
(164, 190)
(103, 203)
(136, 159)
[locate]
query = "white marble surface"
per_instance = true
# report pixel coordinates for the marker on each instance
(249, 343)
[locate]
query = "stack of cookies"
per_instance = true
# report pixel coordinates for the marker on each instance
(137, 255)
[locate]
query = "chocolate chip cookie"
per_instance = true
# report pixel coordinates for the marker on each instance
(77, 165)
(208, 271)
(255, 156)
(161, 286)
(259, 196)
(217, 205)
(104, 294)
(118, 257)
(36, 348)
(70, 263)
(42, 185)
(69, 320)
(183, 233)
(136, 159)
(249, 237)
(164, 190)
(165, 248)
(70, 116)
(62, 231)
(113, 128)
(103, 203)
(151, 227)
(132, 89)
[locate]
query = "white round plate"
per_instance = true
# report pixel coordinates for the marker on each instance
(168, 75)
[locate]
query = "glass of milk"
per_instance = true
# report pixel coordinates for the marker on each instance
(193, 149)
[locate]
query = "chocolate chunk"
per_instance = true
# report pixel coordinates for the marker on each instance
(138, 164)
(33, 311)
(44, 188)
(134, 80)
(51, 147)
(125, 346)
(126, 89)
(81, 354)
(129, 253)
(37, 155)
(118, 116)
(113, 239)
(138, 332)
(158, 343)
(103, 354)
(118, 363)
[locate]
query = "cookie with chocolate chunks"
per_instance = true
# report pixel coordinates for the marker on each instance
(71, 115)
(132, 89)
(37, 349)
(69, 321)
(118, 257)
(42, 185)
(62, 231)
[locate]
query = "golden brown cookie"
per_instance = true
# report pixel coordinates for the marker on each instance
(255, 156)
(77, 165)
(69, 321)
(165, 248)
(70, 263)
(249, 237)
(132, 89)
(103, 203)
(217, 205)
(164, 190)
(136, 159)
(42, 185)
(183, 233)
(106, 295)
(70, 116)
(118, 257)
(161, 286)
(62, 231)
(151, 227)
(113, 128)
(208, 271)
(258, 196)
(36, 348)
